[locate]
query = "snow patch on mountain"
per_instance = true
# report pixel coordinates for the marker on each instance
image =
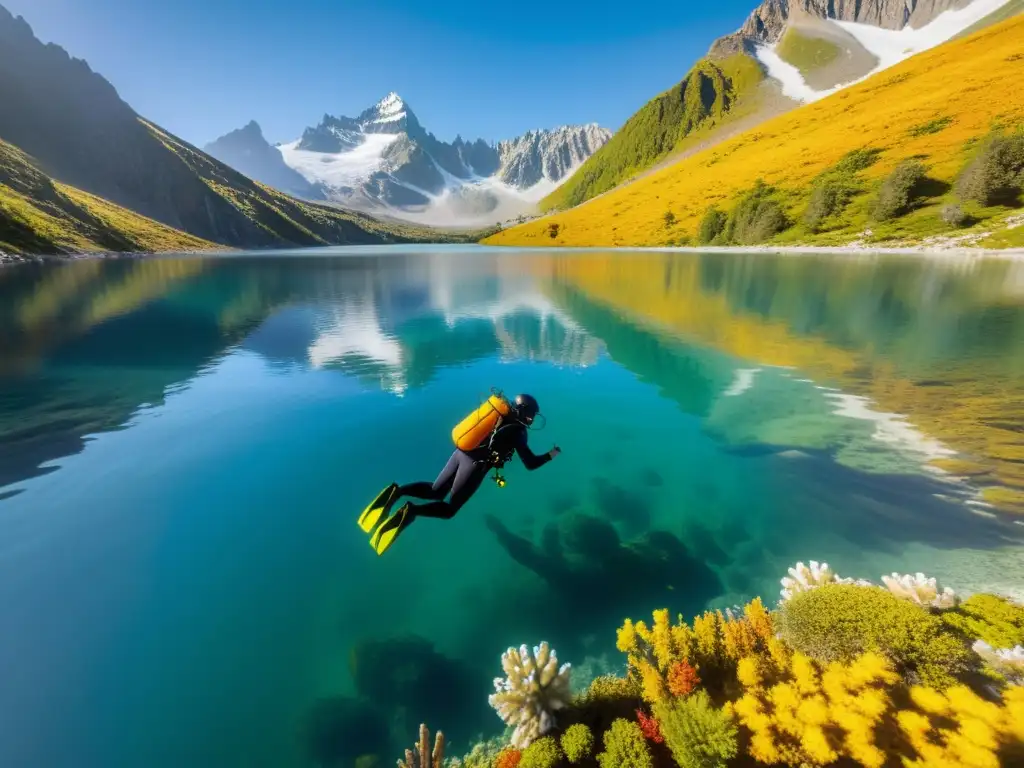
(789, 77)
(890, 47)
(341, 170)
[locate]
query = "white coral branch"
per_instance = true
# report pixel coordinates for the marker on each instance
(534, 687)
(921, 590)
(801, 578)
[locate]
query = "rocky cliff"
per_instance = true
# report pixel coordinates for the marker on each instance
(768, 21)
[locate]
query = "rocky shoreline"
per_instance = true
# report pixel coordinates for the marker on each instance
(932, 249)
(10, 259)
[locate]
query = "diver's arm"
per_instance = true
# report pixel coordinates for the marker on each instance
(531, 460)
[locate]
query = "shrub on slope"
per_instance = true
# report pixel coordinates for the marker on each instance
(996, 175)
(899, 190)
(972, 82)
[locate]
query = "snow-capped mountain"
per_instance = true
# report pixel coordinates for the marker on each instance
(384, 161)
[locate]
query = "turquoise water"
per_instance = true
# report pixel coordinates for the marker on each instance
(185, 445)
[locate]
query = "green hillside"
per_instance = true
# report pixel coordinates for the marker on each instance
(712, 94)
(38, 215)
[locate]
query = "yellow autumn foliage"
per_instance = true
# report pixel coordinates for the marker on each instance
(959, 728)
(814, 717)
(965, 85)
(713, 646)
(805, 714)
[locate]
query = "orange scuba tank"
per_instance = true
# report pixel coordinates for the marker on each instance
(474, 429)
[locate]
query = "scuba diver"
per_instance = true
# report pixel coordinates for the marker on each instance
(484, 440)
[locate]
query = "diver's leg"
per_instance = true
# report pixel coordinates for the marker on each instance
(467, 480)
(468, 477)
(436, 490)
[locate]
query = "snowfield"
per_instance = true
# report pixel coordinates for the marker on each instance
(344, 169)
(888, 46)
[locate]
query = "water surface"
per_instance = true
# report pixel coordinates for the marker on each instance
(185, 444)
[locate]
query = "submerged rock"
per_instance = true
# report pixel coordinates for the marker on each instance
(341, 729)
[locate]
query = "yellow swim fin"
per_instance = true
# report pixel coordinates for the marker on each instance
(385, 535)
(374, 513)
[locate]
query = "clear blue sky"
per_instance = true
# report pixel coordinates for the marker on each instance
(493, 70)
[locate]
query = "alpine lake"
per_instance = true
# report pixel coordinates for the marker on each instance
(186, 443)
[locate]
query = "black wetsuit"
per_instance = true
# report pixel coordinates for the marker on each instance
(465, 471)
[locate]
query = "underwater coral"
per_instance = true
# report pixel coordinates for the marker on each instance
(802, 579)
(534, 687)
(841, 672)
(421, 755)
(921, 590)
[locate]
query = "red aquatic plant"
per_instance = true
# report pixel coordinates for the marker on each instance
(649, 726)
(682, 679)
(508, 758)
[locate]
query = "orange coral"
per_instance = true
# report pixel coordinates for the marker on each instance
(682, 679)
(650, 727)
(508, 758)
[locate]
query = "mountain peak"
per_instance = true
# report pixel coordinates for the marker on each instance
(391, 104)
(391, 109)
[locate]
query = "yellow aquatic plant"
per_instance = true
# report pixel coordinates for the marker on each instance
(713, 646)
(806, 714)
(802, 715)
(959, 728)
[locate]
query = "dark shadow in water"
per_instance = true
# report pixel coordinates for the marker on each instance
(630, 511)
(561, 503)
(596, 578)
(651, 478)
(339, 730)
(410, 680)
(703, 542)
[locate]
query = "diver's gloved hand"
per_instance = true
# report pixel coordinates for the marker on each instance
(554, 451)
